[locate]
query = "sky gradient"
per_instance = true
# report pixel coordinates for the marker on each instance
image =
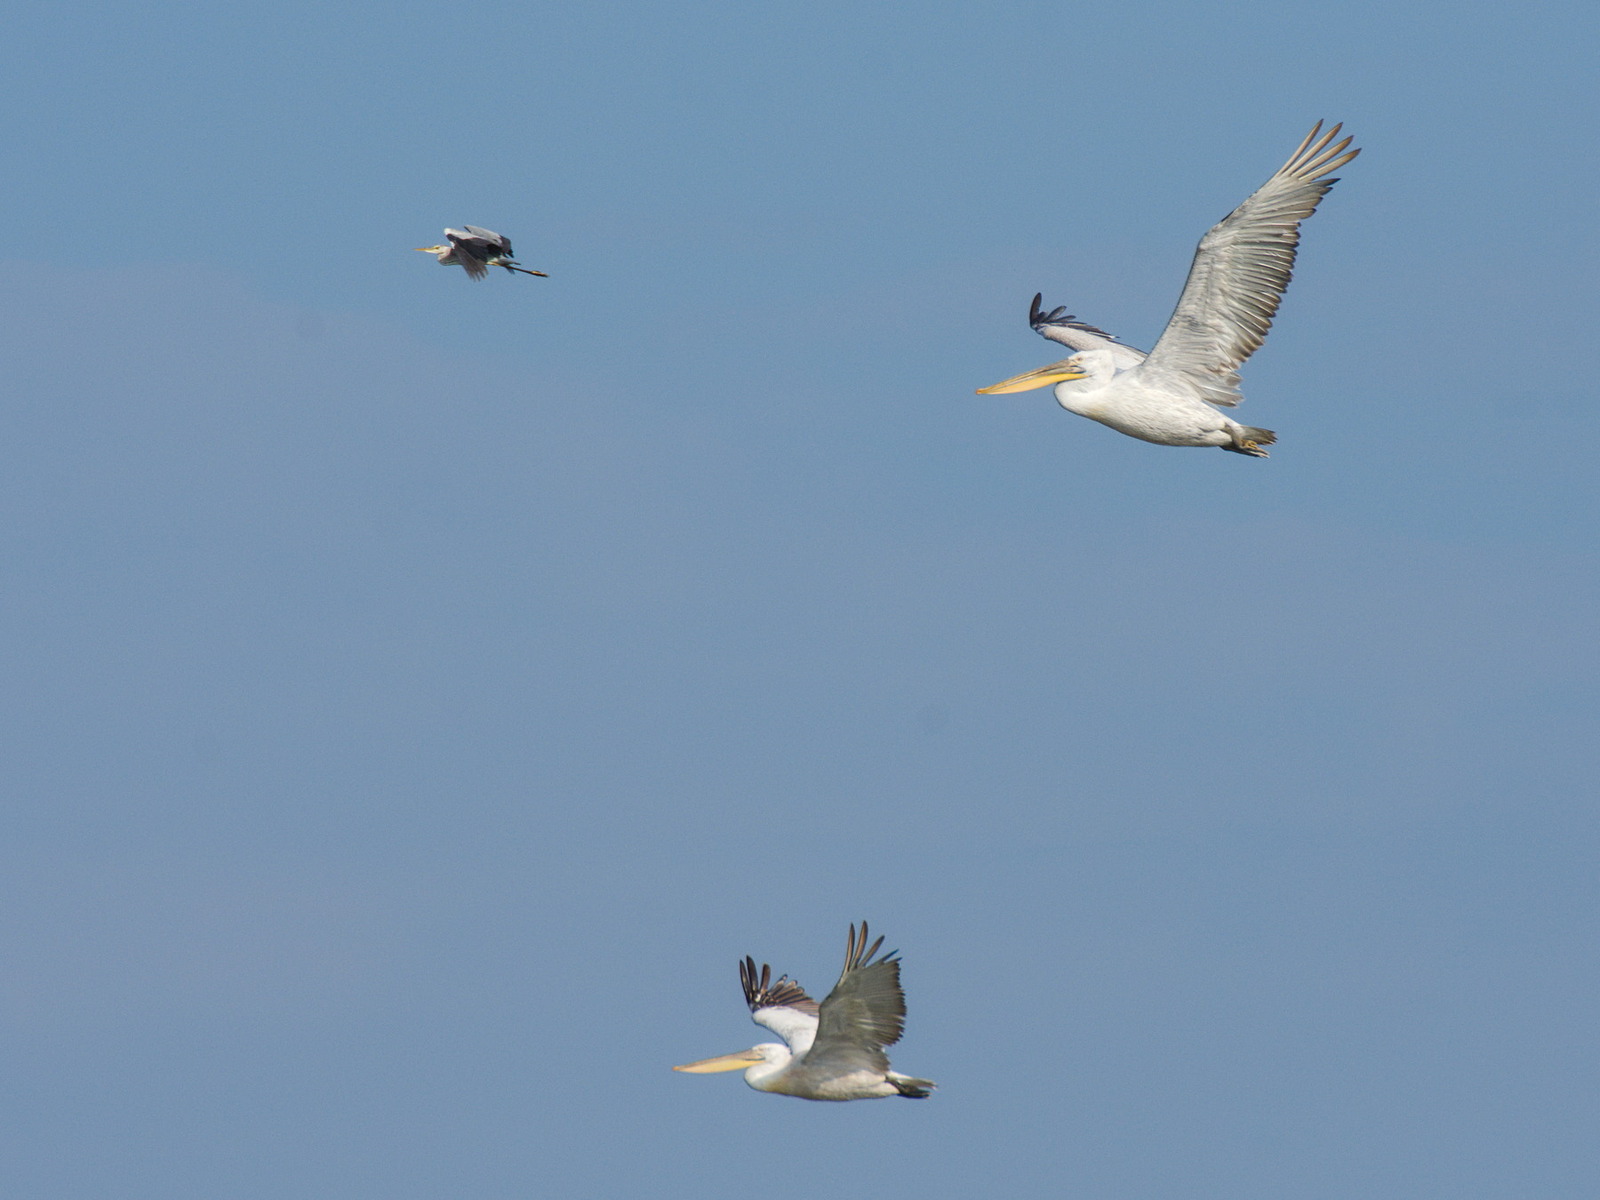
(422, 693)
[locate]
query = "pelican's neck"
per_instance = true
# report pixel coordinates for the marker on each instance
(775, 1060)
(1081, 396)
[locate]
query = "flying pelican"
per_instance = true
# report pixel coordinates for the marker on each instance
(835, 1049)
(477, 250)
(1240, 270)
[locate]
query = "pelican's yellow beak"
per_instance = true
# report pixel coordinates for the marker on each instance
(1028, 380)
(727, 1062)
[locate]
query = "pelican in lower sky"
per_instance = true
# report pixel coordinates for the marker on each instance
(833, 1051)
(476, 250)
(1235, 283)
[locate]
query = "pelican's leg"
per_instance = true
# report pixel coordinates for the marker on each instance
(1247, 439)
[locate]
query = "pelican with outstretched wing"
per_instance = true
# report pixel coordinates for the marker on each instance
(475, 251)
(1240, 270)
(832, 1050)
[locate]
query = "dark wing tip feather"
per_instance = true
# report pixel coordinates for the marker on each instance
(856, 952)
(1316, 156)
(867, 957)
(866, 1006)
(762, 991)
(1038, 319)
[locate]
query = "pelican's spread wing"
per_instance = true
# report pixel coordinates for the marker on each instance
(1061, 326)
(781, 1005)
(865, 1012)
(1240, 270)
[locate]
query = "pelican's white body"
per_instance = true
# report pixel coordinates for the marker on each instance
(831, 1051)
(1172, 396)
(783, 1071)
(1149, 412)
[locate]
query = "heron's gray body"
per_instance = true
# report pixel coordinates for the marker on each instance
(475, 250)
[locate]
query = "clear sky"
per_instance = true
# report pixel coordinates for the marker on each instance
(419, 693)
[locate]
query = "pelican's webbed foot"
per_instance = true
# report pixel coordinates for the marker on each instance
(1246, 447)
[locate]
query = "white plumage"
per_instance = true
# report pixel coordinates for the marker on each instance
(831, 1051)
(1240, 270)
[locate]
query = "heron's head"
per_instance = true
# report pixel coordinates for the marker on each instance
(1057, 372)
(433, 249)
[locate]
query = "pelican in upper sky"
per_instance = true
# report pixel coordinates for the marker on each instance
(477, 250)
(834, 1050)
(1235, 282)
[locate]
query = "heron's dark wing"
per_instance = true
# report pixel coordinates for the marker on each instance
(498, 242)
(1239, 273)
(1061, 326)
(471, 251)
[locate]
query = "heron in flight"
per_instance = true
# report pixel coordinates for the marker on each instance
(1241, 267)
(833, 1051)
(477, 250)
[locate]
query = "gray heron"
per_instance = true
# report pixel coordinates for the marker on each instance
(476, 250)
(1171, 396)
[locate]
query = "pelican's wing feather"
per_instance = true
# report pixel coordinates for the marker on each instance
(1240, 271)
(865, 1012)
(1061, 326)
(762, 991)
(781, 1005)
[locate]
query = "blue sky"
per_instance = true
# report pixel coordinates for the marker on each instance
(421, 693)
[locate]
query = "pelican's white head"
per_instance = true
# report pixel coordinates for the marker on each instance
(1098, 366)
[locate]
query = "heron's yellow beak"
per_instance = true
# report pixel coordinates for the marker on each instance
(1028, 380)
(429, 249)
(726, 1062)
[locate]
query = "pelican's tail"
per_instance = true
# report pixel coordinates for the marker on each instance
(1247, 439)
(915, 1089)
